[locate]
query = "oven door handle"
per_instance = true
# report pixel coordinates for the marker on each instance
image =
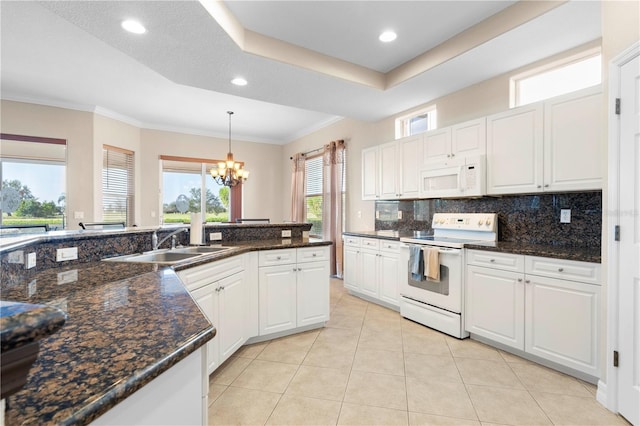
(441, 250)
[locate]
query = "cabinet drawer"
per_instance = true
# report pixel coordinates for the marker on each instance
(390, 246)
(351, 241)
(371, 243)
(204, 274)
(312, 254)
(277, 257)
(563, 269)
(492, 259)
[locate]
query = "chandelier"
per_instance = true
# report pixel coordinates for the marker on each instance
(229, 173)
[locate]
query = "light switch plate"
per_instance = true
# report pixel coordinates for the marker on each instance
(215, 236)
(286, 233)
(68, 253)
(565, 216)
(31, 260)
(399, 214)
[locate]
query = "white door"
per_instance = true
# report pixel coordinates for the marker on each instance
(550, 333)
(277, 298)
(469, 139)
(370, 173)
(389, 278)
(436, 146)
(629, 267)
(514, 151)
(207, 299)
(388, 171)
(313, 293)
(369, 277)
(409, 166)
(232, 299)
(495, 305)
(351, 267)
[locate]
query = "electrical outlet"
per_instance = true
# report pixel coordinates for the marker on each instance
(16, 257)
(565, 216)
(399, 214)
(68, 253)
(78, 215)
(377, 214)
(67, 277)
(305, 234)
(215, 236)
(31, 260)
(359, 214)
(286, 233)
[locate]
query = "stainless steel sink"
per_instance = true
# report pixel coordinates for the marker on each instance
(201, 249)
(166, 256)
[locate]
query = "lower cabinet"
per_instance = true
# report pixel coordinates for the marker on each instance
(371, 268)
(293, 288)
(223, 301)
(546, 307)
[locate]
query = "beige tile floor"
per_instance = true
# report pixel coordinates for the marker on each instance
(369, 366)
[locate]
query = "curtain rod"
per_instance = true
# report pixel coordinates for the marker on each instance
(309, 152)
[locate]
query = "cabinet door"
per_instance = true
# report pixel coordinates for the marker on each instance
(207, 299)
(352, 268)
(388, 172)
(277, 298)
(469, 139)
(409, 166)
(574, 142)
(369, 277)
(232, 302)
(388, 278)
(495, 305)
(562, 322)
(436, 146)
(514, 151)
(313, 293)
(370, 173)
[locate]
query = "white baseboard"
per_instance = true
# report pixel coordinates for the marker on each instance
(601, 394)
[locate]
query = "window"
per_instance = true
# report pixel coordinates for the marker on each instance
(117, 185)
(187, 187)
(574, 73)
(33, 183)
(417, 122)
(313, 194)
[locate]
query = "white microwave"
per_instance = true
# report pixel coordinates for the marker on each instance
(464, 180)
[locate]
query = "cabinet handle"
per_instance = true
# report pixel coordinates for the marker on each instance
(448, 155)
(560, 269)
(278, 258)
(453, 155)
(546, 186)
(519, 280)
(492, 260)
(539, 186)
(527, 281)
(314, 254)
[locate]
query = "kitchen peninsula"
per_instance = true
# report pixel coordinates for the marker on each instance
(129, 326)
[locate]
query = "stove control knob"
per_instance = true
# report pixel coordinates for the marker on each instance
(488, 222)
(480, 222)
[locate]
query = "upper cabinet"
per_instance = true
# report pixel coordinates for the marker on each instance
(450, 145)
(390, 171)
(551, 146)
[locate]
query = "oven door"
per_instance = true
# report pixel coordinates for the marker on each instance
(446, 293)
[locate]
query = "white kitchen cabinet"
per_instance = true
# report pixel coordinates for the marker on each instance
(450, 145)
(562, 320)
(574, 141)
(390, 171)
(293, 288)
(221, 291)
(514, 151)
(555, 145)
(371, 268)
(547, 307)
(495, 305)
(277, 298)
(370, 167)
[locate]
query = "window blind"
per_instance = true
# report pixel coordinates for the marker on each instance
(313, 194)
(118, 190)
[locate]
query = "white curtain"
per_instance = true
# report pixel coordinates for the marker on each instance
(297, 188)
(333, 185)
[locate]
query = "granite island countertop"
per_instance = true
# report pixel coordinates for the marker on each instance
(583, 254)
(126, 324)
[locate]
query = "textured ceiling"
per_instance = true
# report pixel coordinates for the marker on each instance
(176, 77)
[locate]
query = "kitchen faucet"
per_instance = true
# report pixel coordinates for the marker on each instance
(154, 238)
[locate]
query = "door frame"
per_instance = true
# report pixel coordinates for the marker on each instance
(607, 393)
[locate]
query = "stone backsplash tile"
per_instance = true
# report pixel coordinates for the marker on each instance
(531, 219)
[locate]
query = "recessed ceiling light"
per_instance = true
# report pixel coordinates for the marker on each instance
(133, 26)
(387, 36)
(239, 81)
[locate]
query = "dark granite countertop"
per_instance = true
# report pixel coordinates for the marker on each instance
(126, 324)
(24, 323)
(583, 254)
